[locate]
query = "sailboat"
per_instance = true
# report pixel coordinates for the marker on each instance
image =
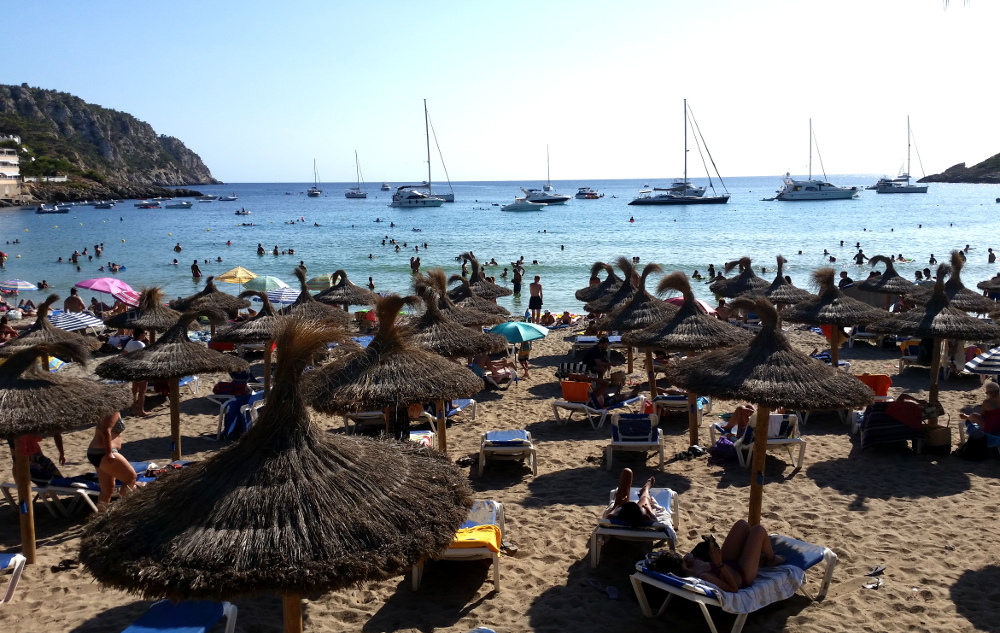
(407, 195)
(901, 183)
(547, 193)
(684, 192)
(314, 191)
(356, 192)
(447, 197)
(796, 190)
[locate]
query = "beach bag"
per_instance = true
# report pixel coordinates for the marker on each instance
(235, 388)
(723, 451)
(976, 447)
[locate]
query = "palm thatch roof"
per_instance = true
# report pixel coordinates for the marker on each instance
(780, 291)
(289, 509)
(436, 281)
(769, 372)
(890, 282)
(173, 355)
(307, 307)
(466, 297)
(959, 296)
(257, 329)
(389, 373)
(990, 285)
(642, 310)
(35, 401)
(43, 332)
(343, 292)
(832, 306)
(210, 297)
(938, 319)
(611, 301)
(592, 292)
(483, 288)
(690, 329)
(441, 335)
(747, 282)
(150, 315)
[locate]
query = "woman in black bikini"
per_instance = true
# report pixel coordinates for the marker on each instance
(104, 454)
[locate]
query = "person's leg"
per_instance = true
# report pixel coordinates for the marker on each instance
(735, 543)
(140, 399)
(117, 468)
(646, 501)
(107, 483)
(624, 486)
(757, 547)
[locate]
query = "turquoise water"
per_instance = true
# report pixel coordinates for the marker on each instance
(575, 235)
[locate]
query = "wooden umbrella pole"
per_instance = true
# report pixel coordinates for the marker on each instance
(267, 368)
(935, 369)
(757, 467)
(175, 417)
(692, 413)
(630, 359)
(292, 607)
(651, 372)
(442, 426)
(152, 336)
(835, 346)
(22, 475)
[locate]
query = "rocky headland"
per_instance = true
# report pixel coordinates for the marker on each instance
(986, 172)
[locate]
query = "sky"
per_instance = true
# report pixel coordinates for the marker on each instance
(260, 89)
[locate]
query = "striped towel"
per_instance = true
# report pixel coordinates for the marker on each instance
(772, 584)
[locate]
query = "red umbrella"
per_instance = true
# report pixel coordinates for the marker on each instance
(679, 301)
(128, 297)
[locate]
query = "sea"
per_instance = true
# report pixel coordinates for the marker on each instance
(559, 244)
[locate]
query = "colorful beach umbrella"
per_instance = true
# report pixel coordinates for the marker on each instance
(128, 297)
(704, 305)
(322, 282)
(265, 283)
(280, 295)
(107, 285)
(14, 285)
(519, 331)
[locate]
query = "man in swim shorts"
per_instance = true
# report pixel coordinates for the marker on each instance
(535, 302)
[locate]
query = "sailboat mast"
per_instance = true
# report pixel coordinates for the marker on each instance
(907, 149)
(357, 168)
(548, 174)
(685, 148)
(810, 149)
(427, 131)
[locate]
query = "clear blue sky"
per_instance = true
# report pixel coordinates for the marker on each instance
(259, 89)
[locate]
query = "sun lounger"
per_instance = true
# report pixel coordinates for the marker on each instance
(15, 563)
(38, 491)
(783, 432)
(478, 538)
(232, 415)
(771, 585)
(514, 444)
(454, 408)
(663, 529)
(185, 617)
(569, 369)
(85, 489)
(860, 333)
(635, 432)
(678, 403)
(594, 415)
(586, 342)
(909, 354)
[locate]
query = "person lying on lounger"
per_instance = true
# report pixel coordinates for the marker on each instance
(739, 420)
(599, 399)
(635, 513)
(731, 567)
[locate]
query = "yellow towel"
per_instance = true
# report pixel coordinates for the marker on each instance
(479, 536)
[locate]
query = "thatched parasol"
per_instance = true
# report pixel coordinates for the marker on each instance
(466, 297)
(436, 281)
(769, 373)
(170, 358)
(307, 307)
(990, 285)
(959, 296)
(482, 287)
(642, 310)
(389, 375)
(610, 302)
(344, 293)
(260, 328)
(151, 315)
(888, 283)
(937, 319)
(210, 297)
(601, 288)
(34, 401)
(43, 332)
(780, 292)
(289, 509)
(744, 283)
(689, 330)
(441, 335)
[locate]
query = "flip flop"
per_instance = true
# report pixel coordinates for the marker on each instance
(63, 565)
(873, 585)
(877, 571)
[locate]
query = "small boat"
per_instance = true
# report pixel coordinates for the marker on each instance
(356, 192)
(386, 187)
(205, 198)
(204, 201)
(537, 195)
(231, 198)
(586, 193)
(142, 202)
(150, 205)
(901, 183)
(243, 212)
(406, 196)
(523, 204)
(162, 199)
(314, 191)
(797, 190)
(183, 204)
(104, 205)
(42, 209)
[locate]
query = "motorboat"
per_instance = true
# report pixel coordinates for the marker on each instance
(161, 199)
(231, 198)
(143, 202)
(314, 191)
(586, 193)
(205, 198)
(208, 200)
(104, 205)
(812, 189)
(183, 204)
(537, 195)
(682, 187)
(42, 209)
(407, 196)
(150, 205)
(356, 192)
(651, 197)
(901, 183)
(523, 204)
(386, 187)
(242, 212)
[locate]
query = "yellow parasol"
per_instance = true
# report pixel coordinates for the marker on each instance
(238, 275)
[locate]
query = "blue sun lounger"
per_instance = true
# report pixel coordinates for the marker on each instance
(185, 617)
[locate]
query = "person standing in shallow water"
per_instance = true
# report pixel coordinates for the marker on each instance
(535, 302)
(195, 271)
(517, 280)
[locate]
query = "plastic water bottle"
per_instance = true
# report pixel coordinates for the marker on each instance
(527, 314)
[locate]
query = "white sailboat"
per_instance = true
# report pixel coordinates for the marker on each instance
(800, 190)
(901, 183)
(407, 195)
(356, 192)
(547, 193)
(314, 191)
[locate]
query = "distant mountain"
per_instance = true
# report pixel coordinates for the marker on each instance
(987, 172)
(64, 134)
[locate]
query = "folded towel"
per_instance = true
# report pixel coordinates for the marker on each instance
(487, 536)
(771, 585)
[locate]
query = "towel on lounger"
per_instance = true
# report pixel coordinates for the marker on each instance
(487, 536)
(772, 584)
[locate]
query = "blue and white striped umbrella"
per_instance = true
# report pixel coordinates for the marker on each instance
(283, 295)
(13, 285)
(71, 321)
(985, 363)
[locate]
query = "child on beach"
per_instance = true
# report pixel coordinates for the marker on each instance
(523, 354)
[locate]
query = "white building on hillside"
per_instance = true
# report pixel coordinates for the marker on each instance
(10, 174)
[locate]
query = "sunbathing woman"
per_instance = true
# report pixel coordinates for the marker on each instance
(740, 419)
(110, 464)
(987, 420)
(632, 512)
(731, 567)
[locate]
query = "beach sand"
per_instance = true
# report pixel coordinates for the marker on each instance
(930, 520)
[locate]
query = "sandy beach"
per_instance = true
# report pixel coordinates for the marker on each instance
(928, 519)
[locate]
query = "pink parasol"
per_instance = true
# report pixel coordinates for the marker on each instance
(108, 285)
(677, 301)
(128, 297)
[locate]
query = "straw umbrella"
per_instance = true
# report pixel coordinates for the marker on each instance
(261, 328)
(888, 283)
(43, 332)
(151, 315)
(780, 292)
(611, 301)
(210, 297)
(611, 283)
(769, 373)
(642, 310)
(747, 282)
(34, 402)
(465, 296)
(958, 295)
(170, 358)
(441, 335)
(990, 285)
(832, 307)
(389, 375)
(482, 287)
(937, 319)
(289, 509)
(344, 293)
(491, 314)
(306, 306)
(690, 330)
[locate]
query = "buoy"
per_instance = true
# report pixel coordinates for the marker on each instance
(208, 229)
(123, 240)
(55, 226)
(19, 257)
(169, 233)
(81, 223)
(25, 230)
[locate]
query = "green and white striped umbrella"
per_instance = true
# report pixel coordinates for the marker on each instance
(264, 283)
(321, 282)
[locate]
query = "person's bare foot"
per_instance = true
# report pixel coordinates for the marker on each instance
(777, 560)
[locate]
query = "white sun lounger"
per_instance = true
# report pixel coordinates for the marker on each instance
(15, 563)
(482, 513)
(635, 432)
(596, 417)
(663, 529)
(514, 444)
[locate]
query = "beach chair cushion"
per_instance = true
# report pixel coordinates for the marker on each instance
(573, 391)
(185, 617)
(634, 427)
(515, 437)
